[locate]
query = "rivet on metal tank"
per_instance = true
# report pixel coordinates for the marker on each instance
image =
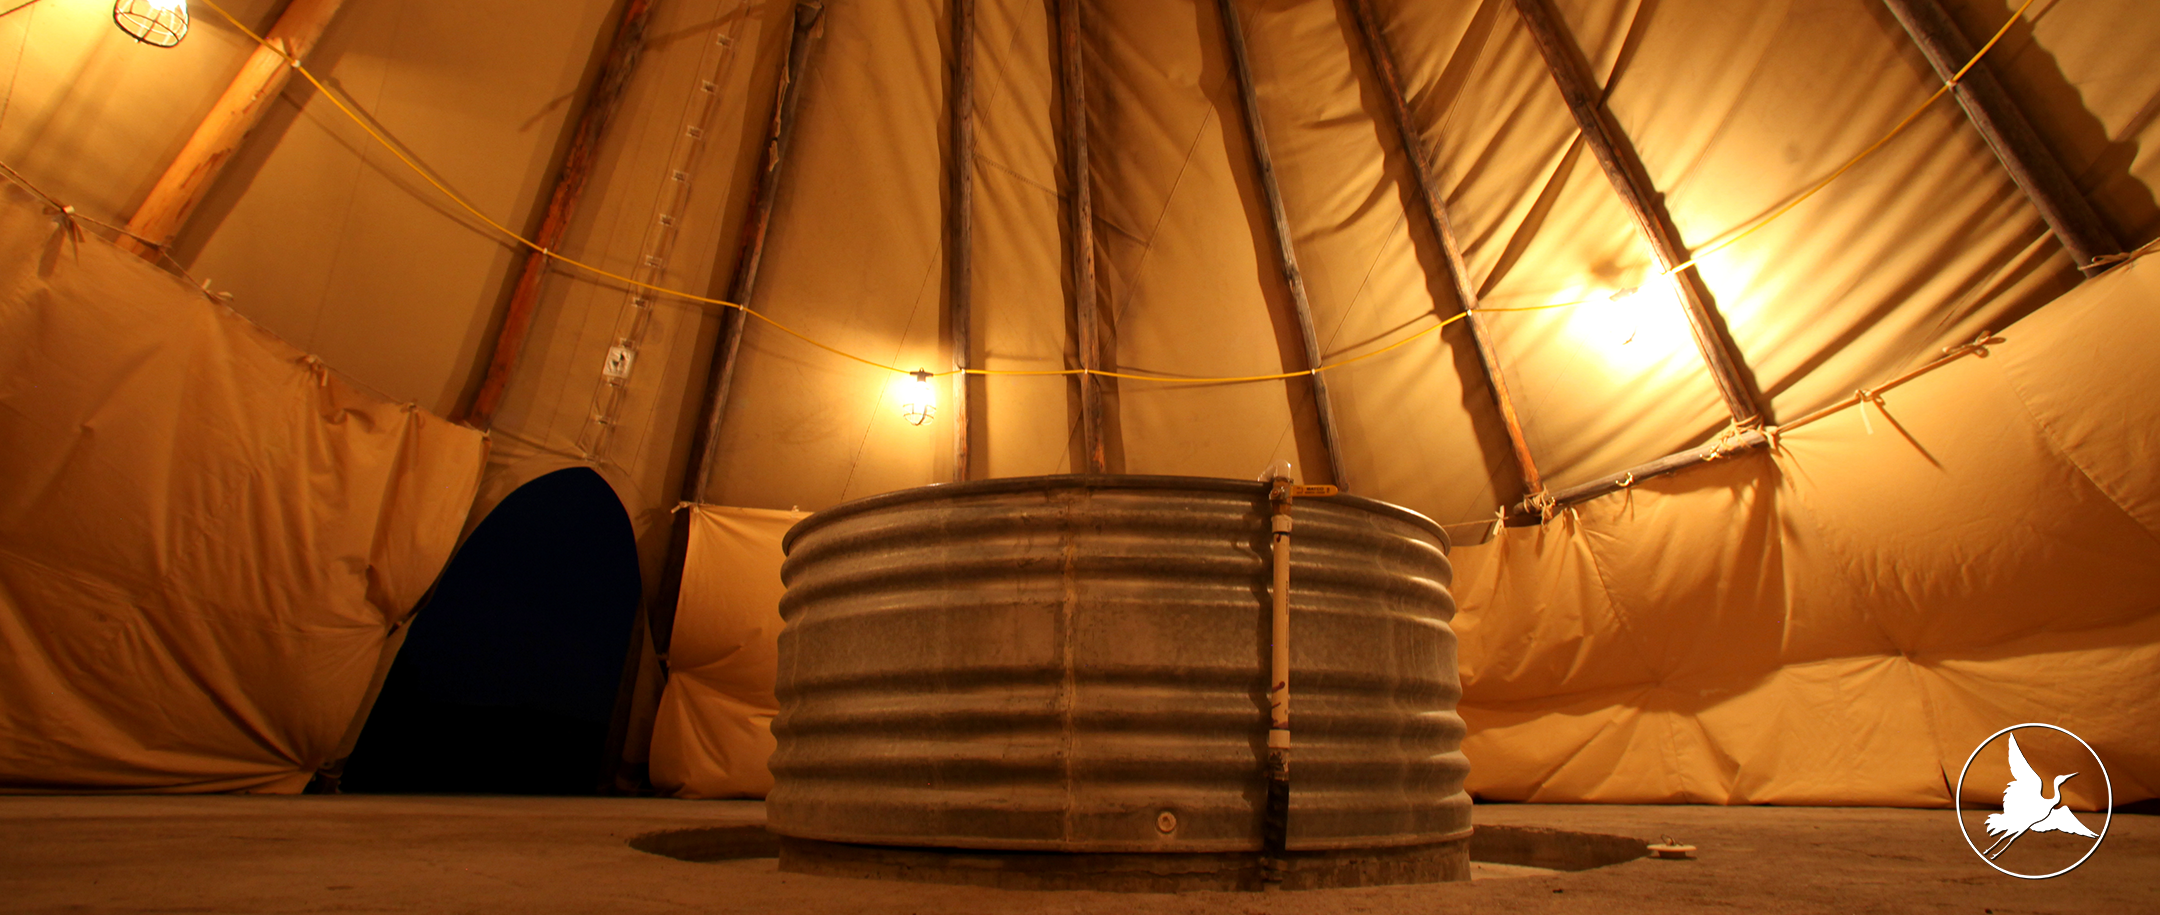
(976, 674)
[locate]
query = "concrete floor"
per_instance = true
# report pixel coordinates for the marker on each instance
(547, 855)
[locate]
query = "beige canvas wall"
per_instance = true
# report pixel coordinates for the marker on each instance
(1923, 245)
(316, 233)
(321, 238)
(1844, 619)
(1839, 621)
(93, 115)
(714, 728)
(206, 534)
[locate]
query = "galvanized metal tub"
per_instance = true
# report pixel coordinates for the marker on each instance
(1078, 664)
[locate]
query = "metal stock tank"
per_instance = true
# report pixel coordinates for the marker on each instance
(1061, 682)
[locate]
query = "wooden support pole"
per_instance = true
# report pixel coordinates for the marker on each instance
(720, 374)
(1383, 61)
(600, 105)
(1072, 79)
(960, 256)
(1285, 250)
(2035, 169)
(1631, 181)
(1737, 441)
(1524, 513)
(218, 137)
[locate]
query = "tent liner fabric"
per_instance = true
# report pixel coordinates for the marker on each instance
(2026, 468)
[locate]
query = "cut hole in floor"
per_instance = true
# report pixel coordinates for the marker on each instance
(1486, 870)
(1551, 849)
(711, 843)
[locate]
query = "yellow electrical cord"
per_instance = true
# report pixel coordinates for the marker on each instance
(1444, 322)
(536, 248)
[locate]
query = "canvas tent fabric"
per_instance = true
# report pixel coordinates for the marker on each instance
(1844, 619)
(714, 729)
(1734, 109)
(205, 535)
(1841, 620)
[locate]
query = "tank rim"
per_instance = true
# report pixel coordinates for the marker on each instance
(1256, 488)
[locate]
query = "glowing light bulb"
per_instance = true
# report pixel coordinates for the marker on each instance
(1629, 305)
(160, 23)
(1620, 321)
(918, 400)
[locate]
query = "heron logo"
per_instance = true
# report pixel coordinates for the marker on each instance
(2033, 804)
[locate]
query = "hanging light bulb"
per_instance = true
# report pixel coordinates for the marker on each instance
(153, 22)
(1624, 321)
(1631, 305)
(918, 400)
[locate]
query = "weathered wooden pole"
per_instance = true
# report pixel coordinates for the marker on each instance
(720, 374)
(1735, 442)
(1072, 78)
(1285, 249)
(218, 137)
(1631, 181)
(2035, 169)
(1524, 513)
(1383, 62)
(600, 105)
(960, 256)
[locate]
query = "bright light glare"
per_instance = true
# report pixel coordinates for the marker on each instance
(1634, 327)
(169, 6)
(918, 398)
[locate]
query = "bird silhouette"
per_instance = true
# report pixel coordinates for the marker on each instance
(2026, 810)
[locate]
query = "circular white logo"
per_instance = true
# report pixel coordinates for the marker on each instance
(2033, 804)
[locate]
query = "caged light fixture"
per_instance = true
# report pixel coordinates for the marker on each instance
(153, 22)
(918, 401)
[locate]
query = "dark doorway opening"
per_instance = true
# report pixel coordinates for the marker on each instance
(508, 677)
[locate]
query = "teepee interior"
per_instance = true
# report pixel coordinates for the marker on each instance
(866, 418)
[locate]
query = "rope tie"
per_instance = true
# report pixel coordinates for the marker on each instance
(1978, 346)
(67, 224)
(1863, 397)
(1543, 503)
(2107, 260)
(1726, 443)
